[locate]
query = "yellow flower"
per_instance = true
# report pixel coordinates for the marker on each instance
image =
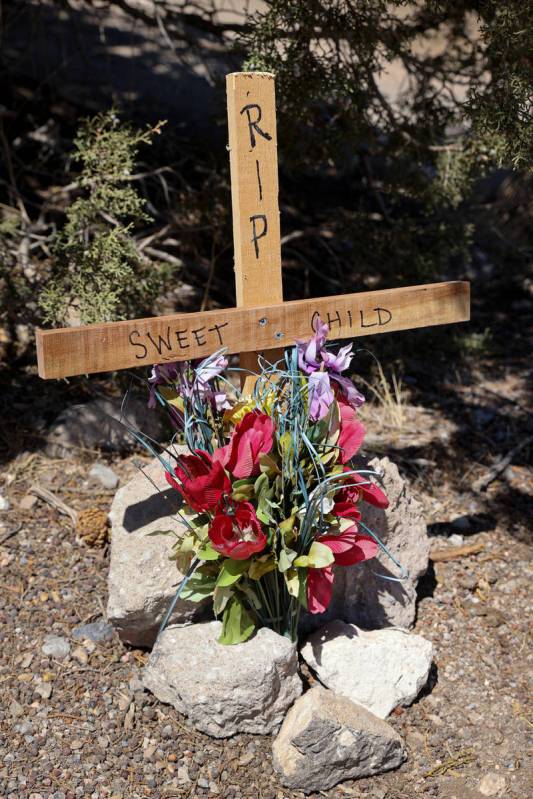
(264, 404)
(238, 412)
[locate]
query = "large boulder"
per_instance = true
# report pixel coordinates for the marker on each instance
(326, 739)
(380, 669)
(223, 689)
(363, 594)
(142, 579)
(98, 425)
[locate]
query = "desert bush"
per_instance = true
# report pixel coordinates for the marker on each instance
(97, 271)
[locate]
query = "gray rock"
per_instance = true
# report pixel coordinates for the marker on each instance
(142, 579)
(97, 631)
(326, 739)
(224, 690)
(360, 594)
(380, 669)
(104, 475)
(24, 728)
(55, 646)
(95, 425)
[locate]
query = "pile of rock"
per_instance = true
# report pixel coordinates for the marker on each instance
(365, 666)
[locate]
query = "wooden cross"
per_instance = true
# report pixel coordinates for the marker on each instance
(261, 322)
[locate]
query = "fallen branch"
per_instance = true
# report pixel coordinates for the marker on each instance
(11, 533)
(501, 465)
(454, 553)
(56, 503)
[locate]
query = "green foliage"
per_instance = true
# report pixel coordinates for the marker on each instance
(237, 624)
(11, 281)
(16, 296)
(98, 273)
(502, 111)
(476, 343)
(411, 160)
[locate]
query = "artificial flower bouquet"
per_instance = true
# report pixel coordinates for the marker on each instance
(271, 499)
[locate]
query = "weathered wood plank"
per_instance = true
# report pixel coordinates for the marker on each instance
(254, 196)
(178, 337)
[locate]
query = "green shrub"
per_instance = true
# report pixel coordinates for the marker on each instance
(98, 273)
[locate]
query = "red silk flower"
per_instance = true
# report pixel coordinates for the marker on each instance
(201, 481)
(236, 531)
(352, 433)
(345, 508)
(348, 548)
(365, 490)
(253, 435)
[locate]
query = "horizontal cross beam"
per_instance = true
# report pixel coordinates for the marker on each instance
(178, 337)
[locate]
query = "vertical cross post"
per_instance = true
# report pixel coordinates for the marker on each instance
(254, 194)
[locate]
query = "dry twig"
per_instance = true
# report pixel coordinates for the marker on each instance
(501, 465)
(454, 553)
(55, 502)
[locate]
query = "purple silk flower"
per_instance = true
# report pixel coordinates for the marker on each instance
(322, 366)
(190, 379)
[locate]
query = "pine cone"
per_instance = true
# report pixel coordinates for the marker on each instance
(92, 527)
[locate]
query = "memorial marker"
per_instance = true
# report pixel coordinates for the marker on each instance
(262, 322)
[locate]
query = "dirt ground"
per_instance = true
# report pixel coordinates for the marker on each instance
(83, 726)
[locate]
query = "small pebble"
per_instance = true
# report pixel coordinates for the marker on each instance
(55, 646)
(28, 502)
(44, 689)
(456, 540)
(494, 618)
(104, 475)
(183, 774)
(16, 709)
(5, 504)
(98, 631)
(24, 727)
(468, 581)
(80, 654)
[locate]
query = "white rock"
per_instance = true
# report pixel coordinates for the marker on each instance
(142, 579)
(456, 540)
(326, 739)
(55, 646)
(104, 475)
(360, 594)
(246, 687)
(492, 784)
(5, 504)
(44, 689)
(380, 669)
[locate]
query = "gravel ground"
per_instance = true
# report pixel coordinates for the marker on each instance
(81, 725)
